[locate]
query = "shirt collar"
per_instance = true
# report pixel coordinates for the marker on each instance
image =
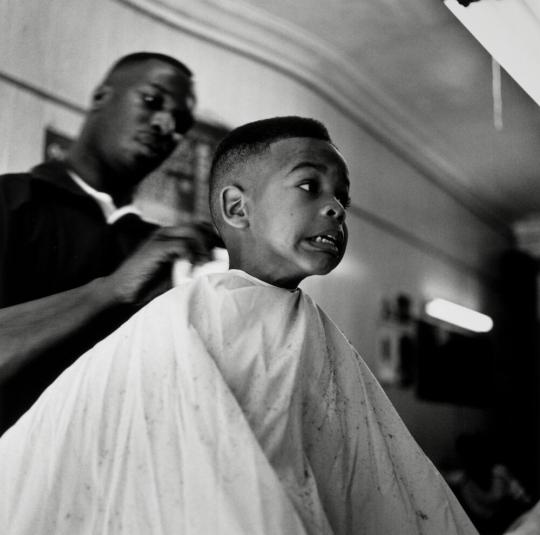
(110, 211)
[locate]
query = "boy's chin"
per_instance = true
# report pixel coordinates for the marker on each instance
(323, 269)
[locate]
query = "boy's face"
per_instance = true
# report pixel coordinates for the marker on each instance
(297, 216)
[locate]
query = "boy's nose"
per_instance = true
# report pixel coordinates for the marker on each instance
(335, 210)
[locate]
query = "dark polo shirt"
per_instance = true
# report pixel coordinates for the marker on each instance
(54, 237)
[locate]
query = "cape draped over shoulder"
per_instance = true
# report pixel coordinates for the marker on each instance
(225, 406)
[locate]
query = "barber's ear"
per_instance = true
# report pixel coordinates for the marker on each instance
(234, 207)
(101, 96)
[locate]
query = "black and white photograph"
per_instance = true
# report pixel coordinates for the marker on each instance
(269, 267)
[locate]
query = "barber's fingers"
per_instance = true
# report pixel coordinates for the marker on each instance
(192, 228)
(149, 265)
(213, 239)
(165, 249)
(177, 232)
(203, 233)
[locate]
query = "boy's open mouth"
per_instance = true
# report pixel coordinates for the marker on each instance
(328, 242)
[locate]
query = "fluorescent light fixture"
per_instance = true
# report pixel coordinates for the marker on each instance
(510, 32)
(459, 315)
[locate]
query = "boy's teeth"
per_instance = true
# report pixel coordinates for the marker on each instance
(324, 239)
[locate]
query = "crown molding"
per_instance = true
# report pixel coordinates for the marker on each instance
(253, 33)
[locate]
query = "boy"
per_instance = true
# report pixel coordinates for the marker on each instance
(232, 404)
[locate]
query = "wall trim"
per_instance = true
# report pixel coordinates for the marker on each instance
(422, 245)
(42, 93)
(250, 32)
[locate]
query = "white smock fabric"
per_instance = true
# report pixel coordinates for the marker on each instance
(225, 406)
(526, 524)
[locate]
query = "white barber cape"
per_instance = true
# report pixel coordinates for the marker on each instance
(225, 406)
(527, 524)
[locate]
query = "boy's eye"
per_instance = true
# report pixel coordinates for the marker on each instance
(311, 186)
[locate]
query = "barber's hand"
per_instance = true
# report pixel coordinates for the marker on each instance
(147, 272)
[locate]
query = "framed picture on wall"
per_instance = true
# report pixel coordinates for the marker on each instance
(455, 367)
(178, 189)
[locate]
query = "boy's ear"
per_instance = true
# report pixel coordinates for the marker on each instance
(234, 207)
(100, 96)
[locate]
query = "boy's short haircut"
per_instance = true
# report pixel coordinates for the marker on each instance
(254, 138)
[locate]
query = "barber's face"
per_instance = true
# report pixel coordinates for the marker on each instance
(143, 114)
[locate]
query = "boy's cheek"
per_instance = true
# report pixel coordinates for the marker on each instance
(345, 238)
(345, 242)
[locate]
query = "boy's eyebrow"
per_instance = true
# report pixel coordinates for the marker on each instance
(318, 167)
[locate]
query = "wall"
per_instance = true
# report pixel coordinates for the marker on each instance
(407, 232)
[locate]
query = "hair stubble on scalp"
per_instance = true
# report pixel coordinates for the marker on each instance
(137, 58)
(250, 140)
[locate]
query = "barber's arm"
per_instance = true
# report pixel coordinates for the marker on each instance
(29, 329)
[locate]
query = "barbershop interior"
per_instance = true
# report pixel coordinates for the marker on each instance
(434, 105)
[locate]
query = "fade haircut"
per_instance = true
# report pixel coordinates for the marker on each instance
(253, 139)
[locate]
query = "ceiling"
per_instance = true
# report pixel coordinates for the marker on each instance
(421, 57)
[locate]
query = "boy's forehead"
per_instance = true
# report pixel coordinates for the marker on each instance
(293, 151)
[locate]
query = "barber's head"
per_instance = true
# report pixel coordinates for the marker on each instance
(138, 114)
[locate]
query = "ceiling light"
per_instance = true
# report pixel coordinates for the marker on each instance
(510, 32)
(459, 315)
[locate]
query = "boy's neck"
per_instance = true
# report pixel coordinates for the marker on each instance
(264, 275)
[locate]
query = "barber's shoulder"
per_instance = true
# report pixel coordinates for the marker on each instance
(15, 189)
(42, 182)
